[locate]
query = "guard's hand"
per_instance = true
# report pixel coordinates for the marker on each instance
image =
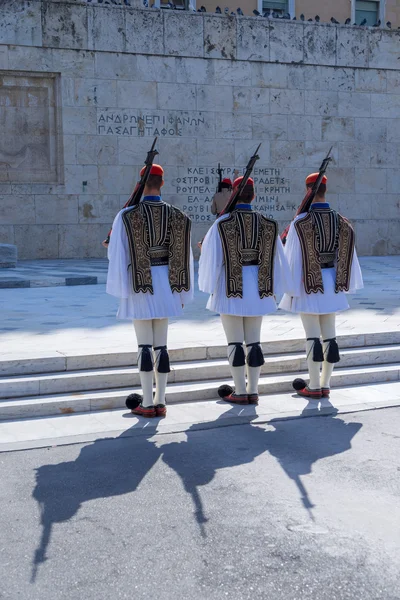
(199, 245)
(183, 306)
(105, 244)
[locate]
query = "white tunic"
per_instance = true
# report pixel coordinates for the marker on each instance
(212, 279)
(162, 303)
(319, 303)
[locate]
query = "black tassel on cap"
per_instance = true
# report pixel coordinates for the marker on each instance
(255, 358)
(163, 365)
(318, 355)
(239, 359)
(145, 359)
(332, 352)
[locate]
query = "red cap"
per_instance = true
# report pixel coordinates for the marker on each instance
(313, 178)
(239, 179)
(227, 180)
(155, 170)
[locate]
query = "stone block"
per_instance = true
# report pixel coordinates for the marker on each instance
(372, 130)
(270, 127)
(244, 149)
(316, 152)
(81, 241)
(16, 210)
(354, 104)
(342, 180)
(72, 63)
(178, 151)
(88, 280)
(372, 80)
(328, 79)
(162, 69)
(384, 49)
(305, 128)
(320, 44)
(385, 155)
(194, 70)
(233, 126)
(64, 26)
(371, 181)
(90, 92)
(183, 34)
(290, 154)
(21, 23)
(337, 129)
(393, 82)
(352, 47)
(372, 237)
(4, 57)
(393, 129)
(79, 120)
(232, 73)
(393, 244)
(213, 98)
(7, 234)
(8, 256)
(98, 208)
(322, 103)
(136, 94)
(81, 179)
(69, 144)
(108, 29)
(97, 149)
(132, 150)
(14, 283)
(39, 241)
(251, 99)
(269, 75)
(385, 105)
(144, 31)
(354, 205)
(176, 96)
(110, 65)
(52, 209)
(212, 152)
(354, 154)
(252, 39)
(287, 102)
(25, 58)
(393, 181)
(286, 42)
(117, 179)
(220, 36)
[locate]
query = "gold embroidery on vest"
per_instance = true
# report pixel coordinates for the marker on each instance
(345, 255)
(312, 274)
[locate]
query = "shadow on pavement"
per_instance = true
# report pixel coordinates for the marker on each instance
(112, 468)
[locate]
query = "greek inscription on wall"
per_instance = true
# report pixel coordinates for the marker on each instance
(139, 123)
(196, 186)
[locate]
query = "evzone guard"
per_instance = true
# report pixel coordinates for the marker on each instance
(151, 272)
(320, 249)
(242, 266)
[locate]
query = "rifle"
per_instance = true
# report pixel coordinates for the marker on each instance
(230, 205)
(219, 171)
(138, 191)
(310, 195)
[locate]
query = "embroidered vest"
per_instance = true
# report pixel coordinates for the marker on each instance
(158, 234)
(248, 238)
(325, 236)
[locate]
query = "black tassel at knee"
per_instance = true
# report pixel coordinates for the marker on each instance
(239, 359)
(145, 358)
(255, 357)
(163, 365)
(332, 352)
(318, 355)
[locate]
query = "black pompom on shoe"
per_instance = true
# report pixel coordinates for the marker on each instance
(225, 390)
(299, 384)
(133, 401)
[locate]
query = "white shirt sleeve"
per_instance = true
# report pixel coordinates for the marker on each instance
(187, 297)
(211, 259)
(356, 278)
(283, 281)
(119, 260)
(294, 258)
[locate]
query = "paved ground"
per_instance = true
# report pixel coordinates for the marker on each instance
(46, 321)
(290, 510)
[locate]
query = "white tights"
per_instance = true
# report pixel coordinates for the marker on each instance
(239, 329)
(153, 332)
(316, 326)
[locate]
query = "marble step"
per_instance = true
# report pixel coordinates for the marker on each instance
(185, 371)
(56, 404)
(79, 361)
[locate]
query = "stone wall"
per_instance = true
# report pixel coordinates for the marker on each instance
(89, 86)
